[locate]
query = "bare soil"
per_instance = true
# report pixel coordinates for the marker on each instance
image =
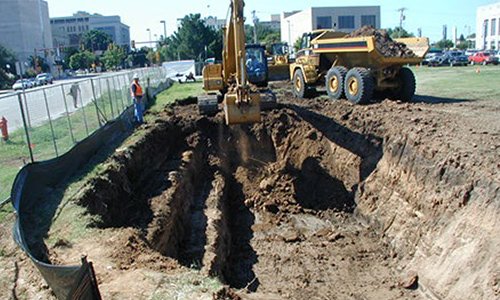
(383, 42)
(322, 200)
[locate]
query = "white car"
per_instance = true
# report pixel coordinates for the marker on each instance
(21, 83)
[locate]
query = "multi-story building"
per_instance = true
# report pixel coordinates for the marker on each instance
(346, 19)
(213, 22)
(25, 29)
(67, 31)
(274, 24)
(488, 27)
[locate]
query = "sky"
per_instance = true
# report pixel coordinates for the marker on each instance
(429, 15)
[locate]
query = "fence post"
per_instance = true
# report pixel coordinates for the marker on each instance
(84, 114)
(50, 122)
(103, 102)
(27, 109)
(23, 116)
(95, 102)
(116, 95)
(110, 99)
(67, 114)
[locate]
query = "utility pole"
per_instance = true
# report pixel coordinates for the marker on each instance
(402, 17)
(255, 21)
(164, 28)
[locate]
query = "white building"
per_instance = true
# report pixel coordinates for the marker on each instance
(346, 19)
(25, 28)
(213, 22)
(488, 27)
(67, 31)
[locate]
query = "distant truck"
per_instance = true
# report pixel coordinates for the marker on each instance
(355, 67)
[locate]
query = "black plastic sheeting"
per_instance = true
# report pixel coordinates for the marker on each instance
(67, 282)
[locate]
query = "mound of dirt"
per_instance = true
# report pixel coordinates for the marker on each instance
(384, 43)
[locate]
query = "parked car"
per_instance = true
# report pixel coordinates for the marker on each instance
(455, 58)
(435, 60)
(33, 82)
(483, 58)
(431, 55)
(497, 55)
(44, 78)
(20, 84)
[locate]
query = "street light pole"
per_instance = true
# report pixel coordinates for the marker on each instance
(149, 31)
(164, 28)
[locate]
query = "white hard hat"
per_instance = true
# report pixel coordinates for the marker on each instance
(136, 76)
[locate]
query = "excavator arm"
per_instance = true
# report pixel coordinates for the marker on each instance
(241, 103)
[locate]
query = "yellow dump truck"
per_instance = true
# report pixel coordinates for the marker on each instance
(356, 68)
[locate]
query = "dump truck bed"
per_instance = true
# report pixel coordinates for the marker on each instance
(362, 51)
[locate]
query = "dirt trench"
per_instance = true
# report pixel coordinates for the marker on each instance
(318, 201)
(266, 208)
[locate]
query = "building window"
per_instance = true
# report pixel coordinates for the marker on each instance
(485, 29)
(493, 27)
(492, 45)
(370, 20)
(323, 22)
(346, 22)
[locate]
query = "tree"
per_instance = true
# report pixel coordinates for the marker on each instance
(94, 40)
(444, 44)
(39, 64)
(113, 57)
(298, 44)
(265, 34)
(193, 40)
(7, 57)
(138, 58)
(81, 60)
(399, 32)
(462, 43)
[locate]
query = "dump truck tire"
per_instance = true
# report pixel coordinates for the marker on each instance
(359, 86)
(335, 82)
(299, 84)
(407, 84)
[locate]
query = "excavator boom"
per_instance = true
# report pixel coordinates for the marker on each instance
(241, 102)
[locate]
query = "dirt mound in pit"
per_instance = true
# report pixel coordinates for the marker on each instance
(383, 42)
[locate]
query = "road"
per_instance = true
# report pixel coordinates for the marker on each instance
(57, 96)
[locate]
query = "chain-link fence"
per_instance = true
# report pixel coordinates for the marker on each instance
(46, 122)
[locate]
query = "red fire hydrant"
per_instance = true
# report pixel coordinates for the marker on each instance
(3, 128)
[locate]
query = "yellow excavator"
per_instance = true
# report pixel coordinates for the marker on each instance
(241, 99)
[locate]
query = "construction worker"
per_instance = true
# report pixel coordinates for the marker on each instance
(74, 91)
(136, 93)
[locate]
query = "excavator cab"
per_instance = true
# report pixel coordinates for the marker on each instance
(256, 64)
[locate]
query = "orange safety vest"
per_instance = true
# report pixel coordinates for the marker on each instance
(138, 90)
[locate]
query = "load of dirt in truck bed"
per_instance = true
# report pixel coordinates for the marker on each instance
(322, 200)
(383, 42)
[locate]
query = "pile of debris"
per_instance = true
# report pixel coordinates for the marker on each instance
(383, 42)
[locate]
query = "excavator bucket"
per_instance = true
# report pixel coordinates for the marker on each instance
(419, 46)
(241, 113)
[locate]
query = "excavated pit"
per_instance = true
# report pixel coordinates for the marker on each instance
(224, 199)
(302, 205)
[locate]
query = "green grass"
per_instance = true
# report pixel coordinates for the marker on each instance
(462, 83)
(176, 92)
(15, 153)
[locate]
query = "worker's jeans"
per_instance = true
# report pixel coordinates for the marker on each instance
(138, 110)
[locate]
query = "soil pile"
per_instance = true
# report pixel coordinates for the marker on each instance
(384, 43)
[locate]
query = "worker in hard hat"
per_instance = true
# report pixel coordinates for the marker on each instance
(136, 93)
